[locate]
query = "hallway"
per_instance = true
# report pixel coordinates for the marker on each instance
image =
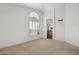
(41, 47)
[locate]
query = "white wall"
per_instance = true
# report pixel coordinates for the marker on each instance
(71, 23)
(60, 26)
(59, 14)
(14, 24)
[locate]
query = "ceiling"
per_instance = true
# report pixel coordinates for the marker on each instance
(32, 5)
(40, 6)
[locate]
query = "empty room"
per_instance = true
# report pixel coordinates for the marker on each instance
(39, 29)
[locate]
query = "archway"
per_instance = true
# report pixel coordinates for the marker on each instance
(34, 23)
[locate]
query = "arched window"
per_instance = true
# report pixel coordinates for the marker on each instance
(34, 23)
(34, 14)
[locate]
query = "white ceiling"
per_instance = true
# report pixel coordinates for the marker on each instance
(32, 5)
(40, 6)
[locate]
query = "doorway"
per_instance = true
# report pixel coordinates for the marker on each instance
(49, 29)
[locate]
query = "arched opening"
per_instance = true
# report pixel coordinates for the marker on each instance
(34, 23)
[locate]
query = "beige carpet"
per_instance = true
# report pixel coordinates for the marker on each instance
(41, 47)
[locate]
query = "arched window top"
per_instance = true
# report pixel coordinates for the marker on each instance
(34, 14)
